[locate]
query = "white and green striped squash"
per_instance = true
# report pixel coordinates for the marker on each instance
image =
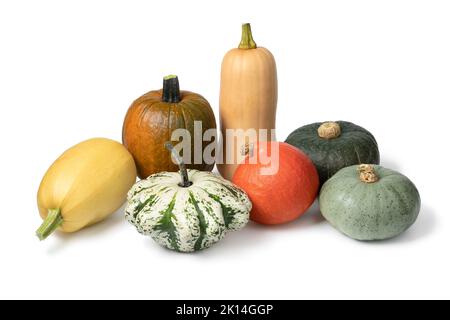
(187, 218)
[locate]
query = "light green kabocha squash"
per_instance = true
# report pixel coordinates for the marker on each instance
(369, 202)
(189, 215)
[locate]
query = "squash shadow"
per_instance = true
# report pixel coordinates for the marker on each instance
(254, 234)
(311, 218)
(391, 164)
(423, 227)
(247, 239)
(108, 226)
(236, 242)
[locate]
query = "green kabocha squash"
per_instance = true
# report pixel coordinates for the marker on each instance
(369, 202)
(335, 145)
(189, 215)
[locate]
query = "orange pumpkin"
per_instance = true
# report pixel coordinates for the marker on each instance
(151, 120)
(281, 187)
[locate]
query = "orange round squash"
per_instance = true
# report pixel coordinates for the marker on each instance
(285, 194)
(151, 120)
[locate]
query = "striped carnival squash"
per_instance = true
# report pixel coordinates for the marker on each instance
(189, 215)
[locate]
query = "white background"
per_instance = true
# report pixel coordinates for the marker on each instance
(70, 69)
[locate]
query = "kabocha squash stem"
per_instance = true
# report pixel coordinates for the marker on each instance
(183, 172)
(329, 130)
(367, 173)
(51, 223)
(247, 41)
(171, 89)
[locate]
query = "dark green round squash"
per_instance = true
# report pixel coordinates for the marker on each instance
(335, 145)
(369, 202)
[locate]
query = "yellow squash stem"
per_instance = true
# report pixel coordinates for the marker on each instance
(51, 223)
(247, 41)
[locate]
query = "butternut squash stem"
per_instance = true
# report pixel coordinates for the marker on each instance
(51, 223)
(171, 89)
(247, 41)
(183, 171)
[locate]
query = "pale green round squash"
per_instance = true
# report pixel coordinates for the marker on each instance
(369, 202)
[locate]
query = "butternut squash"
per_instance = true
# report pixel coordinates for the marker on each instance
(86, 184)
(248, 100)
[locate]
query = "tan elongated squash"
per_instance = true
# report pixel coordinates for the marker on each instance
(86, 184)
(248, 98)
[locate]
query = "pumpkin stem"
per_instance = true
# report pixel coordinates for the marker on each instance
(367, 173)
(51, 223)
(247, 41)
(183, 171)
(329, 130)
(171, 89)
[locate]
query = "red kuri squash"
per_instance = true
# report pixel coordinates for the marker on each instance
(281, 181)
